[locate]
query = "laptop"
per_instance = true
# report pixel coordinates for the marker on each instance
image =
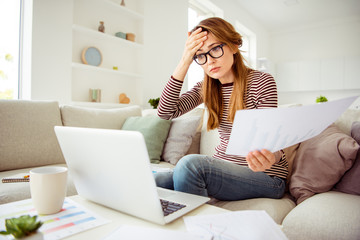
(112, 168)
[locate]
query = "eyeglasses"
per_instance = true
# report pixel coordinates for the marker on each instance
(215, 52)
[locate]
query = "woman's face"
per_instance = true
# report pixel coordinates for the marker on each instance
(217, 68)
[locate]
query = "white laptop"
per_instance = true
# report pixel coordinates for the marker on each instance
(112, 168)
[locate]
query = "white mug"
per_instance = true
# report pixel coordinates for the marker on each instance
(48, 188)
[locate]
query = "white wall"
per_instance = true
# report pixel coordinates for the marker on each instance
(338, 39)
(234, 12)
(165, 33)
(51, 50)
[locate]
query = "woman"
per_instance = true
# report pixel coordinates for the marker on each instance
(228, 85)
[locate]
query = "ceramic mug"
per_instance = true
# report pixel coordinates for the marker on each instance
(48, 188)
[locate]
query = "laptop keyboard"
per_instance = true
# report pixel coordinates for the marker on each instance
(170, 207)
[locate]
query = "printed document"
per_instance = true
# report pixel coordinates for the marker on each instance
(277, 128)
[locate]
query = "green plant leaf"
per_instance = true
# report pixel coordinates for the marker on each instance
(4, 233)
(13, 228)
(154, 102)
(321, 99)
(21, 226)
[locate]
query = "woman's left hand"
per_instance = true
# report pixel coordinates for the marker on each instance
(259, 161)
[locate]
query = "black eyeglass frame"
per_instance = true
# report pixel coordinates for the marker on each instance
(208, 53)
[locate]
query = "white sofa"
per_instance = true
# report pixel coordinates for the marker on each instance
(27, 140)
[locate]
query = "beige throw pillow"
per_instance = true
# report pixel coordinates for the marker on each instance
(181, 134)
(27, 134)
(320, 162)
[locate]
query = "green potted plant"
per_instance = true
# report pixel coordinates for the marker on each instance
(154, 102)
(23, 227)
(321, 99)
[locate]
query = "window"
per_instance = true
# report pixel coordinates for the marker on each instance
(10, 20)
(199, 10)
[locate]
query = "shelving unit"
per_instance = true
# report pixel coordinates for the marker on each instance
(125, 10)
(104, 70)
(124, 54)
(104, 36)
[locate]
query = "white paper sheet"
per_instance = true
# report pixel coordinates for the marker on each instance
(141, 233)
(277, 128)
(249, 225)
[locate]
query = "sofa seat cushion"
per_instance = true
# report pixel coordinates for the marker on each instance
(10, 192)
(276, 208)
(330, 215)
(27, 134)
(164, 165)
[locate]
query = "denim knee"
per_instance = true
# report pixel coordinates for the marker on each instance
(187, 163)
(187, 175)
(164, 180)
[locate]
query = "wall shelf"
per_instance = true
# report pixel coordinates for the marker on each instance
(125, 10)
(104, 70)
(100, 105)
(104, 36)
(126, 55)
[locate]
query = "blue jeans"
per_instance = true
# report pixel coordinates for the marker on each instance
(207, 176)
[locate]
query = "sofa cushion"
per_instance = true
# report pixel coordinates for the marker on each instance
(346, 119)
(276, 208)
(209, 139)
(97, 118)
(321, 161)
(184, 130)
(155, 131)
(349, 183)
(330, 215)
(27, 134)
(290, 153)
(180, 137)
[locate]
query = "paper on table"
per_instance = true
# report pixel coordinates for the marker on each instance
(254, 225)
(140, 233)
(72, 219)
(277, 128)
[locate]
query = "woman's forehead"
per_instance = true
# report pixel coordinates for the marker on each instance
(209, 43)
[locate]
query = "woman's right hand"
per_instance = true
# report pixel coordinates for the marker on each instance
(193, 43)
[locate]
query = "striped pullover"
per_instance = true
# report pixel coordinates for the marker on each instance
(261, 93)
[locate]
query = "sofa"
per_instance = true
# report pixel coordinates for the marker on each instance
(317, 205)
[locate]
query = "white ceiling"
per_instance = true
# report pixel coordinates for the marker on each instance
(277, 15)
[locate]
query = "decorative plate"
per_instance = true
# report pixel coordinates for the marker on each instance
(91, 56)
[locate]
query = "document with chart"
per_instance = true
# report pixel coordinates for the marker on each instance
(277, 128)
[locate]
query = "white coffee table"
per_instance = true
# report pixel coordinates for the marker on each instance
(118, 219)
